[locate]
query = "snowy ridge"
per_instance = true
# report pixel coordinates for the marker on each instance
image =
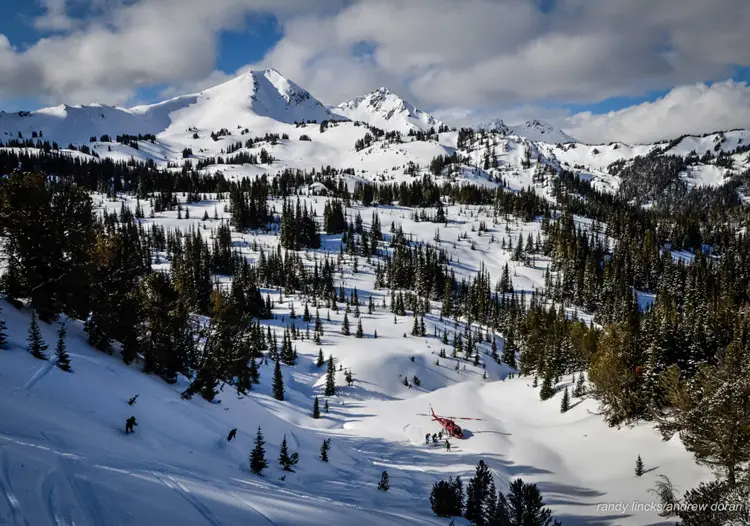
(494, 125)
(244, 101)
(387, 111)
(262, 102)
(540, 131)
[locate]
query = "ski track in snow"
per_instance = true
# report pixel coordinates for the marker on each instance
(16, 513)
(250, 505)
(185, 493)
(38, 376)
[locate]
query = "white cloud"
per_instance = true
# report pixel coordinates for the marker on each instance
(506, 57)
(694, 109)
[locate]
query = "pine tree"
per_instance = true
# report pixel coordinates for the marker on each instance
(480, 495)
(524, 505)
(345, 327)
(565, 403)
(36, 347)
(321, 361)
(446, 498)
(638, 467)
(258, 455)
(286, 460)
(62, 358)
(415, 326)
(254, 373)
(547, 391)
(3, 332)
(324, 449)
(360, 333)
(384, 483)
(278, 382)
(422, 329)
(316, 408)
(580, 388)
(330, 389)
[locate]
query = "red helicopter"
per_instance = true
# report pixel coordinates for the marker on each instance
(451, 428)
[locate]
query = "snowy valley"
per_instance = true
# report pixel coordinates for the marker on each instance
(455, 270)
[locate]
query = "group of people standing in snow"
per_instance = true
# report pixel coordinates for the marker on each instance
(435, 437)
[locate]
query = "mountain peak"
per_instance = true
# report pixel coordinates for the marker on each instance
(384, 109)
(496, 125)
(541, 131)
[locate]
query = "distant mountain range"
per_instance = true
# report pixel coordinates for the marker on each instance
(202, 127)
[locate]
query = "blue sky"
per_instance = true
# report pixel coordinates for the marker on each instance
(565, 61)
(236, 47)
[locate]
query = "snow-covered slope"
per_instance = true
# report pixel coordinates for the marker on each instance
(257, 103)
(494, 125)
(387, 111)
(65, 459)
(239, 102)
(540, 131)
(255, 98)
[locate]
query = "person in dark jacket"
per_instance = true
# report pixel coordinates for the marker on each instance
(129, 423)
(232, 434)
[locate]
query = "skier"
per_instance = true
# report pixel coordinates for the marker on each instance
(427, 438)
(440, 435)
(132, 400)
(434, 438)
(447, 445)
(129, 423)
(232, 434)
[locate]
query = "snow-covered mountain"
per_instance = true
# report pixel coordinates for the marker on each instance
(260, 102)
(534, 130)
(386, 110)
(494, 125)
(249, 100)
(540, 131)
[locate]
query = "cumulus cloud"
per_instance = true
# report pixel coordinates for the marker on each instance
(695, 109)
(501, 56)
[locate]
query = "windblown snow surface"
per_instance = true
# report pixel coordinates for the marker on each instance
(65, 459)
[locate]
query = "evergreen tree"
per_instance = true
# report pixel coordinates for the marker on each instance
(345, 326)
(384, 484)
(3, 332)
(447, 498)
(547, 391)
(330, 389)
(258, 455)
(62, 357)
(509, 352)
(254, 372)
(286, 460)
(480, 495)
(711, 412)
(316, 408)
(278, 382)
(360, 333)
(324, 449)
(321, 361)
(638, 466)
(415, 326)
(524, 506)
(36, 346)
(580, 388)
(565, 403)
